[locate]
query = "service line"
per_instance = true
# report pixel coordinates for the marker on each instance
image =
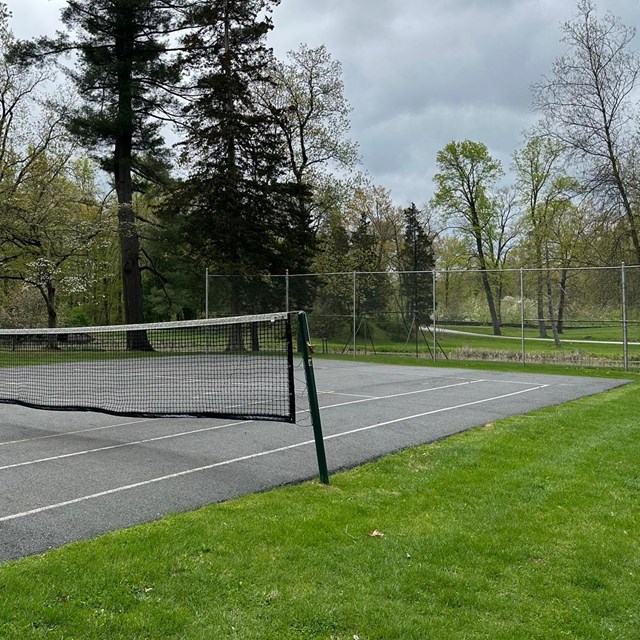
(186, 433)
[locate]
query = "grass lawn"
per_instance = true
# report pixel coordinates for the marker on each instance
(525, 528)
(469, 342)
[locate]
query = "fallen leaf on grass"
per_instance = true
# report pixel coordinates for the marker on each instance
(375, 534)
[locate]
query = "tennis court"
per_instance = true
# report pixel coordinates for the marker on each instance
(73, 475)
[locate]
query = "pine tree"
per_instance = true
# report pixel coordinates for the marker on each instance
(123, 74)
(236, 211)
(416, 255)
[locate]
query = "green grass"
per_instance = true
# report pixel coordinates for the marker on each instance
(526, 528)
(606, 333)
(479, 343)
(516, 367)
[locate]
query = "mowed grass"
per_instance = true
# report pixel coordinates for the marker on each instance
(468, 342)
(526, 528)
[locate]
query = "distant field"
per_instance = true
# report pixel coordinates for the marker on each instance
(463, 342)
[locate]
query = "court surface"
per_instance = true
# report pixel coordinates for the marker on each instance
(68, 476)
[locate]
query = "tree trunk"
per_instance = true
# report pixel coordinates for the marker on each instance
(128, 232)
(52, 313)
(495, 318)
(562, 299)
(554, 328)
(542, 327)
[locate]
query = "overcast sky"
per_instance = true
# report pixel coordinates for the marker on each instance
(418, 73)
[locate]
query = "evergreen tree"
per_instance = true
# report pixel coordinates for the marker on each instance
(372, 290)
(236, 212)
(124, 76)
(416, 255)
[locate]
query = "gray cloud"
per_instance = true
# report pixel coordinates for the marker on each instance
(419, 73)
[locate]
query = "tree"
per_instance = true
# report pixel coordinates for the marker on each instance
(546, 194)
(537, 176)
(589, 107)
(466, 175)
(416, 255)
(23, 136)
(48, 225)
(236, 212)
(45, 222)
(452, 256)
(306, 99)
(335, 295)
(125, 78)
(373, 204)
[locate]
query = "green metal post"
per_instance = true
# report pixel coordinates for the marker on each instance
(312, 391)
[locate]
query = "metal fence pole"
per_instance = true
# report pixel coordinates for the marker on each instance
(625, 333)
(522, 316)
(433, 288)
(286, 288)
(354, 315)
(206, 293)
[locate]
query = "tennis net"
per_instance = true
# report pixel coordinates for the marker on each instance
(225, 367)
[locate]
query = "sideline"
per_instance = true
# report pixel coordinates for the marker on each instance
(260, 454)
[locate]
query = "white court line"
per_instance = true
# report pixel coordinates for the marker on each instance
(180, 434)
(121, 424)
(348, 395)
(499, 381)
(434, 411)
(120, 445)
(251, 456)
(400, 395)
(71, 433)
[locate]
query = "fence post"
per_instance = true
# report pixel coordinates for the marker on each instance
(625, 333)
(522, 316)
(286, 289)
(354, 315)
(433, 288)
(206, 293)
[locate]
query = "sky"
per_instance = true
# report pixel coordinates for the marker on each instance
(417, 73)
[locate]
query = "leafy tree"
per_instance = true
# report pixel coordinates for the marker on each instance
(453, 255)
(538, 175)
(334, 294)
(590, 107)
(48, 227)
(24, 137)
(466, 175)
(545, 192)
(363, 259)
(125, 77)
(47, 219)
(373, 204)
(306, 99)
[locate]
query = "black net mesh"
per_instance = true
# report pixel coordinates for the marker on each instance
(232, 368)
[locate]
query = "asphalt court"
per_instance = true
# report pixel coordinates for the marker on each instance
(67, 476)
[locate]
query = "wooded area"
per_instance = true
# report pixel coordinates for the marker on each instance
(152, 140)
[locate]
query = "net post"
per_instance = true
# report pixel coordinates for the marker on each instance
(312, 391)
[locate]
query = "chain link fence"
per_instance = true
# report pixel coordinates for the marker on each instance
(581, 316)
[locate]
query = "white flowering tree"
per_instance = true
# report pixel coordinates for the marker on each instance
(50, 225)
(50, 215)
